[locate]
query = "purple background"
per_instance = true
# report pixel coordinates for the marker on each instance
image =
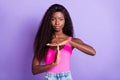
(96, 22)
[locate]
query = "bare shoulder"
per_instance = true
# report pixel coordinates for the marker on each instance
(77, 40)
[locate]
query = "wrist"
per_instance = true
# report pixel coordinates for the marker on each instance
(70, 42)
(53, 64)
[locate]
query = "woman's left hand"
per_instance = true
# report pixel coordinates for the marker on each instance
(64, 42)
(52, 44)
(59, 44)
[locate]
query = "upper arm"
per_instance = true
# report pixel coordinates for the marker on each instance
(79, 44)
(76, 40)
(35, 61)
(79, 41)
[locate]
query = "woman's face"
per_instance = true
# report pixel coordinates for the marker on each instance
(58, 21)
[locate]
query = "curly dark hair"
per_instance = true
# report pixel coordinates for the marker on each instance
(45, 31)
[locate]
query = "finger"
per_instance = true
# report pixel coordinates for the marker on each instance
(58, 47)
(53, 44)
(48, 44)
(63, 43)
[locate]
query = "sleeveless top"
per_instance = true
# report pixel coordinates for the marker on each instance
(65, 54)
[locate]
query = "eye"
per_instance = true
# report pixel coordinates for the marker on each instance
(52, 19)
(61, 19)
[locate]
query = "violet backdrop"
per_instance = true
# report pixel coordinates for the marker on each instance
(96, 22)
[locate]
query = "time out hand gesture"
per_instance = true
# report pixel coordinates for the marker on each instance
(64, 42)
(57, 58)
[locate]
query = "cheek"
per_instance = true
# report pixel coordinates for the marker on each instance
(52, 23)
(63, 23)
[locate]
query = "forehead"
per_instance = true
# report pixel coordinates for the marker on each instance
(58, 14)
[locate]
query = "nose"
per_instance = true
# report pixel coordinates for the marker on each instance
(57, 22)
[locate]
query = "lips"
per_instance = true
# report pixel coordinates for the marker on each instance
(57, 27)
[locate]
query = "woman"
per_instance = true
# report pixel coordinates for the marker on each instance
(54, 43)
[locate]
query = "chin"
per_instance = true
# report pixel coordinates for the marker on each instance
(57, 30)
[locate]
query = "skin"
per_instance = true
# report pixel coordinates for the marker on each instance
(58, 41)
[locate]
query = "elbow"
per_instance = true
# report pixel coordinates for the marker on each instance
(34, 72)
(93, 53)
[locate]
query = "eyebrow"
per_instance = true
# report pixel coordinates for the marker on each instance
(58, 17)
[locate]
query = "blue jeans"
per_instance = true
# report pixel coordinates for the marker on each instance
(58, 76)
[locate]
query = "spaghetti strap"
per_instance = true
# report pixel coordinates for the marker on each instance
(70, 38)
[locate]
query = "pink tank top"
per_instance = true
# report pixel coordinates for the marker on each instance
(65, 54)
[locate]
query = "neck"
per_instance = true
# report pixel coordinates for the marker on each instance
(58, 34)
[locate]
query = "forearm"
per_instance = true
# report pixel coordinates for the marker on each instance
(41, 68)
(83, 47)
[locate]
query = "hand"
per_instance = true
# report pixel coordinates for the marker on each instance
(57, 61)
(52, 44)
(59, 44)
(64, 42)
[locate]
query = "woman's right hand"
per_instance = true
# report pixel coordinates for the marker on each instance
(57, 59)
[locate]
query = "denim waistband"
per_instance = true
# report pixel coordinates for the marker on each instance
(58, 74)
